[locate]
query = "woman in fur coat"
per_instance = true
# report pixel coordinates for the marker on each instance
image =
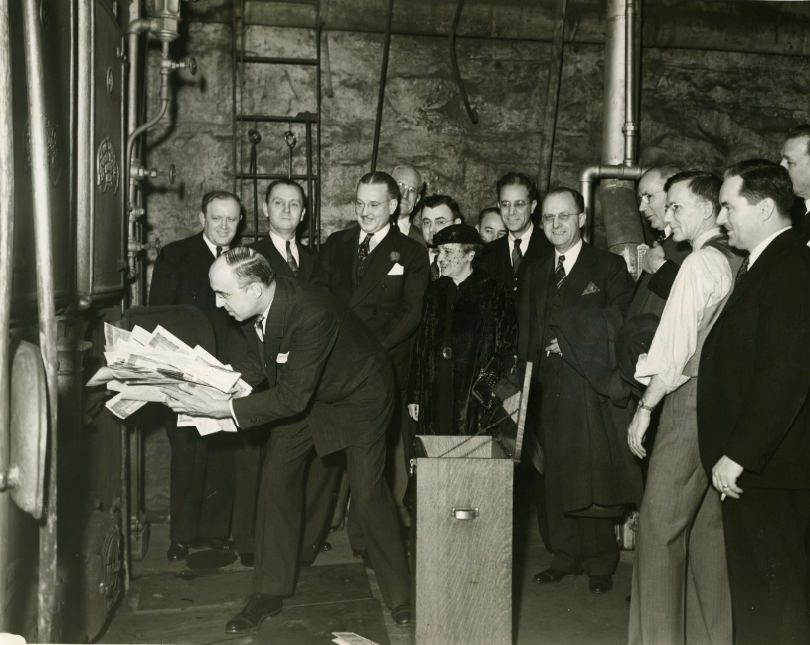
(468, 319)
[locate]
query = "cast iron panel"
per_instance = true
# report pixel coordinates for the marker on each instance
(56, 30)
(107, 158)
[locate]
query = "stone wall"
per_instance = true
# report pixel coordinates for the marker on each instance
(698, 108)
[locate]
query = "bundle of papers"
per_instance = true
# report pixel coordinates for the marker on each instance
(147, 366)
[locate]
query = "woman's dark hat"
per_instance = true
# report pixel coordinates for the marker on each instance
(458, 234)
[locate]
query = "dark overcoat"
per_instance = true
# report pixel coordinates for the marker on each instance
(582, 432)
(472, 322)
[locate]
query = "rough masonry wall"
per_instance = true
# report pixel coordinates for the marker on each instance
(698, 108)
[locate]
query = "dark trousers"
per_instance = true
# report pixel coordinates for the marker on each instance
(281, 506)
(765, 546)
(578, 542)
(320, 490)
(201, 487)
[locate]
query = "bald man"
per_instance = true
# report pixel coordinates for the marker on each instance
(411, 188)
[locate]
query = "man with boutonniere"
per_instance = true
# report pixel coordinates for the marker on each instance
(381, 275)
(570, 304)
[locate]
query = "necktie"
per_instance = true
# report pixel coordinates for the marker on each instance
(434, 268)
(517, 255)
(260, 327)
(290, 259)
(559, 272)
(362, 256)
(742, 270)
(219, 251)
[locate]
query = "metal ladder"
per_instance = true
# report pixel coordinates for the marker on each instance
(250, 127)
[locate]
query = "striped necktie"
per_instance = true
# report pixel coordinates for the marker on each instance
(559, 272)
(742, 270)
(517, 255)
(362, 256)
(291, 259)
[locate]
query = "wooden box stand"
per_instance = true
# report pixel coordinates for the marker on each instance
(464, 491)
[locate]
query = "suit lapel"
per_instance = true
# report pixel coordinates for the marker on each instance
(770, 255)
(274, 330)
(379, 264)
(576, 282)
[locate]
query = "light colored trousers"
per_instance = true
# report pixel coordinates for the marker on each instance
(680, 590)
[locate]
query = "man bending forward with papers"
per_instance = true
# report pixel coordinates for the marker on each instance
(322, 365)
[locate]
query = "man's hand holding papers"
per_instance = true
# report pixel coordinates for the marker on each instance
(156, 366)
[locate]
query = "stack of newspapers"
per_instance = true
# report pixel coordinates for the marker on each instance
(147, 366)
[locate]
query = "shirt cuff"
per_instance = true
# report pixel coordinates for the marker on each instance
(646, 369)
(233, 414)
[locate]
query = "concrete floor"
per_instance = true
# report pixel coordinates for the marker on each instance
(172, 603)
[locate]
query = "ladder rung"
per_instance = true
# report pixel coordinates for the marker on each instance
(302, 117)
(262, 175)
(275, 60)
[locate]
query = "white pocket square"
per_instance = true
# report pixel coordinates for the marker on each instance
(397, 269)
(282, 358)
(591, 288)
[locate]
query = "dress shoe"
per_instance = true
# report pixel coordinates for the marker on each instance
(366, 560)
(402, 615)
(177, 551)
(259, 606)
(553, 575)
(246, 559)
(600, 584)
(216, 544)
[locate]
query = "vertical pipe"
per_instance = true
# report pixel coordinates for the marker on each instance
(613, 118)
(315, 198)
(381, 93)
(552, 99)
(629, 129)
(6, 229)
(616, 224)
(41, 187)
(84, 206)
(308, 127)
(233, 95)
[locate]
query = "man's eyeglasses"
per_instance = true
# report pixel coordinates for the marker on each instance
(406, 189)
(646, 197)
(360, 206)
(548, 218)
(519, 205)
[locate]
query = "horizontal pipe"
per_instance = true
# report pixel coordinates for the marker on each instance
(306, 117)
(592, 174)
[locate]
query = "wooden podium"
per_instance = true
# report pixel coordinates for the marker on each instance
(464, 492)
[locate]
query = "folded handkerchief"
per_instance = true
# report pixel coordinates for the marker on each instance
(397, 269)
(282, 358)
(591, 288)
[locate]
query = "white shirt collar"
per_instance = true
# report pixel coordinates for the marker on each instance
(701, 239)
(280, 245)
(759, 248)
(404, 225)
(263, 319)
(524, 239)
(213, 247)
(570, 256)
(376, 238)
